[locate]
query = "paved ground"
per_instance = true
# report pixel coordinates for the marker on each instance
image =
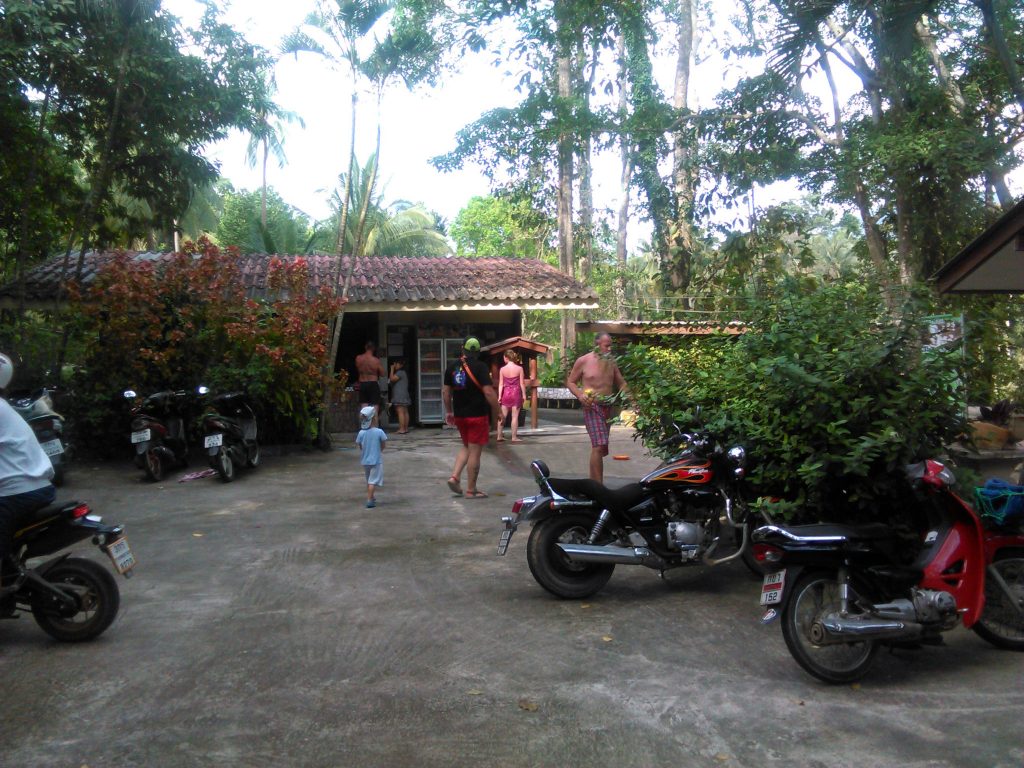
(275, 621)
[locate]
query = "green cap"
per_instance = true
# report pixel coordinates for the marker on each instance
(471, 344)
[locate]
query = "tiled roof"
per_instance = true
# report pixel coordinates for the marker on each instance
(376, 280)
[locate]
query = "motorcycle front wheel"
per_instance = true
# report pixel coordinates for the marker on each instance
(1000, 624)
(815, 595)
(552, 569)
(98, 601)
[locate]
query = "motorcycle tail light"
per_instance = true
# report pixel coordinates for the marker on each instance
(766, 553)
(517, 506)
(80, 511)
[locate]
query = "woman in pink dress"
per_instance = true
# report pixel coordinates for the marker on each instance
(511, 394)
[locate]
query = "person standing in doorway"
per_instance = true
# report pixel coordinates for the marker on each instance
(400, 394)
(511, 394)
(594, 378)
(371, 439)
(369, 369)
(470, 402)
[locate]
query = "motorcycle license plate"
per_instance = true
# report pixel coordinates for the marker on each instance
(771, 589)
(506, 537)
(212, 441)
(52, 447)
(141, 436)
(121, 555)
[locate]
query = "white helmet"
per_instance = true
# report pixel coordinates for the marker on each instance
(6, 371)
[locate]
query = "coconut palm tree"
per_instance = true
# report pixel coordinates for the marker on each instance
(397, 229)
(266, 137)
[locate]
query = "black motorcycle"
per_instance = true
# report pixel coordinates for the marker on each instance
(159, 432)
(681, 514)
(71, 598)
(37, 409)
(230, 433)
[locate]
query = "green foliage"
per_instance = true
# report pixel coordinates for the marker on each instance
(829, 397)
(189, 323)
(503, 226)
(110, 105)
(287, 229)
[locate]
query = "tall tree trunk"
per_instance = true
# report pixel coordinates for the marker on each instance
(263, 194)
(995, 175)
(998, 38)
(98, 187)
(625, 183)
(872, 233)
(586, 173)
(323, 439)
(683, 181)
(565, 169)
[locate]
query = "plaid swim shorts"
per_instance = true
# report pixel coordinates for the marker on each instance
(596, 418)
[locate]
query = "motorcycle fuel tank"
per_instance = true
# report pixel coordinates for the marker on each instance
(688, 471)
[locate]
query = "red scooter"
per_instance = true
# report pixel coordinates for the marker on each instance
(844, 591)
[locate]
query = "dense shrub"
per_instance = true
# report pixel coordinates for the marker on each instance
(831, 398)
(188, 323)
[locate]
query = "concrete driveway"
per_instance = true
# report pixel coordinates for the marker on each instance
(275, 621)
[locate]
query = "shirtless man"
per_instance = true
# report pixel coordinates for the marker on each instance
(594, 377)
(370, 369)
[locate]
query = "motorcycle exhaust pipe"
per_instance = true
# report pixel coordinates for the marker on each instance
(589, 553)
(833, 629)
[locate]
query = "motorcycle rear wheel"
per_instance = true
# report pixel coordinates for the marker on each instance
(999, 624)
(224, 465)
(98, 595)
(552, 568)
(154, 466)
(816, 594)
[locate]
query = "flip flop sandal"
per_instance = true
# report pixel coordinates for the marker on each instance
(476, 495)
(454, 487)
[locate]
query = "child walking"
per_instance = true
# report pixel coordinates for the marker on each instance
(371, 439)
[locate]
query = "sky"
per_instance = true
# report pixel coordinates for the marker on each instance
(415, 125)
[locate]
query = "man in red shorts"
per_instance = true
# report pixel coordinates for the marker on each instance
(470, 402)
(594, 377)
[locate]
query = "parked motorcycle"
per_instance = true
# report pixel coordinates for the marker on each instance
(159, 432)
(71, 598)
(844, 591)
(230, 433)
(675, 516)
(48, 425)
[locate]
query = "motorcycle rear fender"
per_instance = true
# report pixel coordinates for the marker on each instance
(61, 535)
(544, 507)
(792, 576)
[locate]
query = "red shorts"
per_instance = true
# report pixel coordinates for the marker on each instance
(474, 430)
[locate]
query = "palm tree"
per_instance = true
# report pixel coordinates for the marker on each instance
(398, 229)
(266, 135)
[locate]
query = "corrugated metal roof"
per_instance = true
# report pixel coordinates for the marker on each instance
(376, 280)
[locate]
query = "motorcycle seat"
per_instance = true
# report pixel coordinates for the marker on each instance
(46, 512)
(614, 499)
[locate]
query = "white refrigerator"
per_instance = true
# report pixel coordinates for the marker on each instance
(434, 357)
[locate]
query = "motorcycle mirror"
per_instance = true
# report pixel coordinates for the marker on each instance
(202, 389)
(129, 394)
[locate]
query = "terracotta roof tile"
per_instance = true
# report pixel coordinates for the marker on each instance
(375, 279)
